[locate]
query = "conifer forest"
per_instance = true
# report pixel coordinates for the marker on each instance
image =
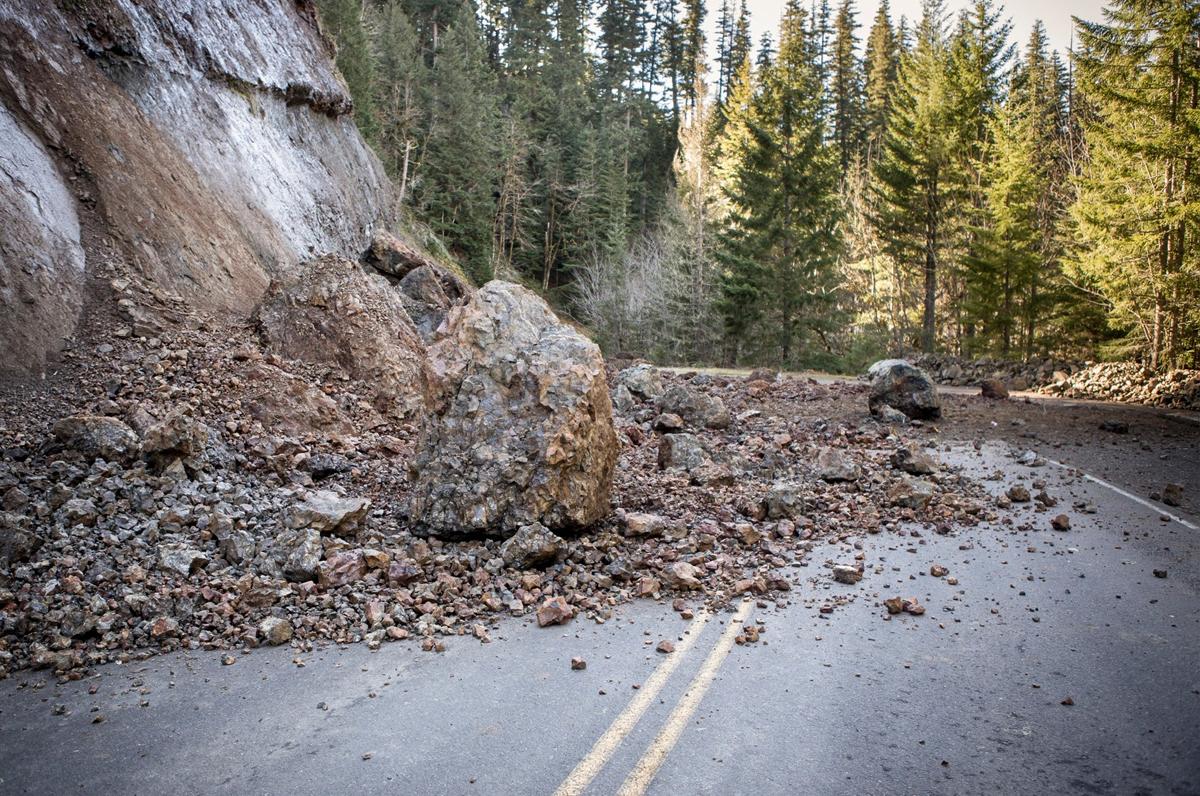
(839, 189)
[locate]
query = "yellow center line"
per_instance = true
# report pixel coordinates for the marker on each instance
(583, 774)
(643, 773)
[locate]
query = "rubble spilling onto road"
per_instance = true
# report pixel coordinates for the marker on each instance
(188, 492)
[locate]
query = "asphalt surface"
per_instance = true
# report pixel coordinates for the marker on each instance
(965, 699)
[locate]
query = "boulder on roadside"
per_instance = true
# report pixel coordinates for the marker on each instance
(901, 386)
(275, 631)
(96, 437)
(522, 428)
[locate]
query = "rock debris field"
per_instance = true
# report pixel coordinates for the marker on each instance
(179, 492)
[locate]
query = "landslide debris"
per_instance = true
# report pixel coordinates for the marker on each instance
(276, 496)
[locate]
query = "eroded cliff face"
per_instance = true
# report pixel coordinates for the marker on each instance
(196, 148)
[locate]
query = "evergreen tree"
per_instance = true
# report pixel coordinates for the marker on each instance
(978, 68)
(458, 167)
(784, 197)
(400, 73)
(882, 58)
(913, 174)
(692, 54)
(846, 87)
(343, 21)
(1138, 207)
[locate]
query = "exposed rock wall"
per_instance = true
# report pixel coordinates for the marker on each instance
(199, 147)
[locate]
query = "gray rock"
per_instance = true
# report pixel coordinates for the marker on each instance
(898, 384)
(1172, 494)
(180, 558)
(785, 501)
(97, 437)
(695, 407)
(17, 541)
(622, 399)
(531, 546)
(642, 381)
(523, 428)
(886, 414)
(323, 465)
(846, 573)
(834, 465)
(682, 452)
(327, 512)
(275, 631)
(913, 459)
(298, 553)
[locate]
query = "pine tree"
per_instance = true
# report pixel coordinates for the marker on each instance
(692, 51)
(913, 173)
(697, 330)
(742, 279)
(1138, 208)
(458, 167)
(1003, 264)
(882, 58)
(978, 68)
(343, 21)
(846, 87)
(784, 199)
(399, 72)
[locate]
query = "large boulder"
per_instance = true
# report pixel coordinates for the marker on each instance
(332, 312)
(901, 386)
(522, 431)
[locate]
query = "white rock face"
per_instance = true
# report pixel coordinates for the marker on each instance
(41, 258)
(203, 147)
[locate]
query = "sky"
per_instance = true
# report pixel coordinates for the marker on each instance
(1054, 14)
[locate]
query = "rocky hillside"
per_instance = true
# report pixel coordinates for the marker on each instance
(164, 155)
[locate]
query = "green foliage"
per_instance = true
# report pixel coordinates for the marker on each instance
(1138, 207)
(830, 201)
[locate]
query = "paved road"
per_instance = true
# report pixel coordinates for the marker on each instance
(966, 699)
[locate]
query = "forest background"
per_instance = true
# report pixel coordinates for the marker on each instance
(838, 190)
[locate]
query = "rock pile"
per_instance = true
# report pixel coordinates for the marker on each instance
(1130, 383)
(233, 537)
(1126, 382)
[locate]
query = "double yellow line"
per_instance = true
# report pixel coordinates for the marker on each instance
(643, 773)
